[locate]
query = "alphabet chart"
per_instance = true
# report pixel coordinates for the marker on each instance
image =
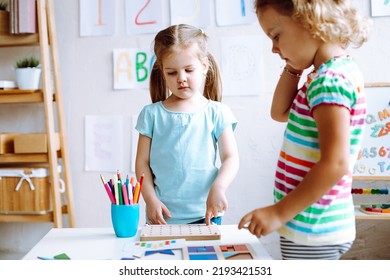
(373, 162)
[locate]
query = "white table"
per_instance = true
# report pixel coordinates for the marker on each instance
(101, 243)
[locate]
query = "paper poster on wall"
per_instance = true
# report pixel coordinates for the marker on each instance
(374, 158)
(103, 143)
(380, 8)
(132, 68)
(97, 17)
(143, 16)
(234, 12)
(192, 12)
(240, 65)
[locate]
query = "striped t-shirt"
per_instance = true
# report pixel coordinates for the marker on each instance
(331, 219)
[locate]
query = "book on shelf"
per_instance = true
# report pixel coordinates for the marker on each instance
(23, 17)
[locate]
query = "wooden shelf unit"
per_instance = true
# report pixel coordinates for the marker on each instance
(49, 97)
(19, 40)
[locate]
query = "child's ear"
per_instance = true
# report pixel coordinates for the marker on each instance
(205, 64)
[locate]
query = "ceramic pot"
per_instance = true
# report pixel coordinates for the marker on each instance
(28, 78)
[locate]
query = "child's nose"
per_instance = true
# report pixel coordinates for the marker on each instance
(181, 78)
(275, 49)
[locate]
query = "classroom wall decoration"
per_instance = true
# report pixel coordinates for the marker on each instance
(132, 68)
(97, 17)
(143, 16)
(380, 8)
(374, 158)
(240, 65)
(234, 12)
(193, 12)
(103, 143)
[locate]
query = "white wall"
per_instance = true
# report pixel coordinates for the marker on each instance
(86, 68)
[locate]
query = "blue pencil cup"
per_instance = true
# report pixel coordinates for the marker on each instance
(125, 219)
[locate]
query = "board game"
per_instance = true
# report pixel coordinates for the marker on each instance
(186, 231)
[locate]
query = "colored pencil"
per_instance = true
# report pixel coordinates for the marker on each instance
(115, 184)
(120, 194)
(108, 190)
(124, 192)
(136, 192)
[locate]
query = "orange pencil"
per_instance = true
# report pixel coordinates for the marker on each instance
(132, 182)
(136, 192)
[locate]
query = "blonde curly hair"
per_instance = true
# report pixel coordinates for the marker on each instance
(336, 21)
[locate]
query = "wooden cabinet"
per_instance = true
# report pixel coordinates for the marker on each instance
(50, 95)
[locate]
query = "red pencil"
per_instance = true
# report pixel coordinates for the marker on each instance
(141, 180)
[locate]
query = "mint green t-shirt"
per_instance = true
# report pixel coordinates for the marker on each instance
(183, 155)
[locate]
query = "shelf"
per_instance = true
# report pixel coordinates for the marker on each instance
(359, 215)
(23, 158)
(10, 96)
(44, 218)
(57, 153)
(7, 40)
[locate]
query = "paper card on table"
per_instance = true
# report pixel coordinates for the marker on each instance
(138, 248)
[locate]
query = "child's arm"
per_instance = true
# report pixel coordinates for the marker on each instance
(155, 208)
(216, 200)
(333, 126)
(284, 94)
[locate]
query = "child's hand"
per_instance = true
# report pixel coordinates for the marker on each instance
(216, 204)
(156, 212)
(261, 221)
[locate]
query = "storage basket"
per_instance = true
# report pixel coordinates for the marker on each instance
(26, 191)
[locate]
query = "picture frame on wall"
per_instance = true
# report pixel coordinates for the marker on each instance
(380, 8)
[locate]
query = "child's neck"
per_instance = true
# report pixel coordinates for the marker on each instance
(327, 51)
(189, 105)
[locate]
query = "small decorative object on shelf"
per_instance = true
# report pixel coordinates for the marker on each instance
(375, 208)
(28, 72)
(370, 191)
(4, 18)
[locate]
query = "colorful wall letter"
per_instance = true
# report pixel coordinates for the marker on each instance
(193, 12)
(132, 68)
(97, 17)
(143, 16)
(234, 12)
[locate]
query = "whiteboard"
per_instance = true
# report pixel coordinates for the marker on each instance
(374, 158)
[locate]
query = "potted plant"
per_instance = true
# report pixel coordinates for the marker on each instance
(28, 72)
(4, 18)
